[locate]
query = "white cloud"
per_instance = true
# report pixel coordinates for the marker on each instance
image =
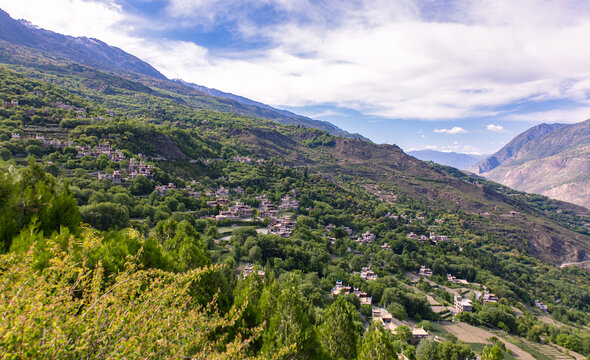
(389, 58)
(495, 128)
(555, 116)
(452, 131)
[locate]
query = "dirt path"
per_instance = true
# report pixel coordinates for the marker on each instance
(472, 334)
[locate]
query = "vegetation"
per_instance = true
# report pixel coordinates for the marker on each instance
(105, 266)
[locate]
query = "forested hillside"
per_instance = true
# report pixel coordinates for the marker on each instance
(134, 223)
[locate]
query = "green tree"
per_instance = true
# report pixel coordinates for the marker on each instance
(338, 332)
(492, 353)
(289, 327)
(377, 344)
(182, 243)
(105, 216)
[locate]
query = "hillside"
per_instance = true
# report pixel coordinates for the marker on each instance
(456, 160)
(509, 151)
(555, 164)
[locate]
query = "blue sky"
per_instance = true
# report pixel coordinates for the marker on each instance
(455, 75)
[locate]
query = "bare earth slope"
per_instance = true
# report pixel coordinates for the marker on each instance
(556, 165)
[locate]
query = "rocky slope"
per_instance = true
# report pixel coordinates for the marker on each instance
(555, 164)
(513, 147)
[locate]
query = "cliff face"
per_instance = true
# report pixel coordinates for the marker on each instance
(510, 150)
(556, 164)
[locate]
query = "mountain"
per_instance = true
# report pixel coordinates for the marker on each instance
(513, 147)
(88, 51)
(282, 116)
(552, 160)
(456, 160)
(99, 55)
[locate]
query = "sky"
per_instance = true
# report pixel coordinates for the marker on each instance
(448, 75)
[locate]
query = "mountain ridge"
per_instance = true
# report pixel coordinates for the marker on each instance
(513, 147)
(96, 53)
(554, 164)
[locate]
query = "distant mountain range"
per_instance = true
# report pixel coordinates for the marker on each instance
(548, 159)
(456, 160)
(97, 54)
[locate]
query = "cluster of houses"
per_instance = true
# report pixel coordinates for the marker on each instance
(243, 159)
(288, 202)
(164, 189)
(452, 279)
(64, 106)
(345, 290)
(220, 201)
(366, 238)
(424, 271)
(433, 237)
(249, 270)
(137, 168)
(239, 211)
(115, 177)
(340, 289)
(283, 226)
(267, 208)
(368, 274)
(486, 297)
(461, 304)
(436, 238)
(383, 317)
(46, 142)
(104, 148)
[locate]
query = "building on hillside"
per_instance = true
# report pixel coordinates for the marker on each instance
(267, 208)
(340, 289)
(368, 274)
(541, 306)
(363, 297)
(249, 270)
(222, 192)
(194, 194)
(282, 226)
(411, 235)
(486, 297)
(115, 177)
(424, 271)
(454, 280)
(460, 304)
(163, 189)
(418, 334)
(437, 238)
(288, 202)
(366, 238)
(219, 201)
(386, 246)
